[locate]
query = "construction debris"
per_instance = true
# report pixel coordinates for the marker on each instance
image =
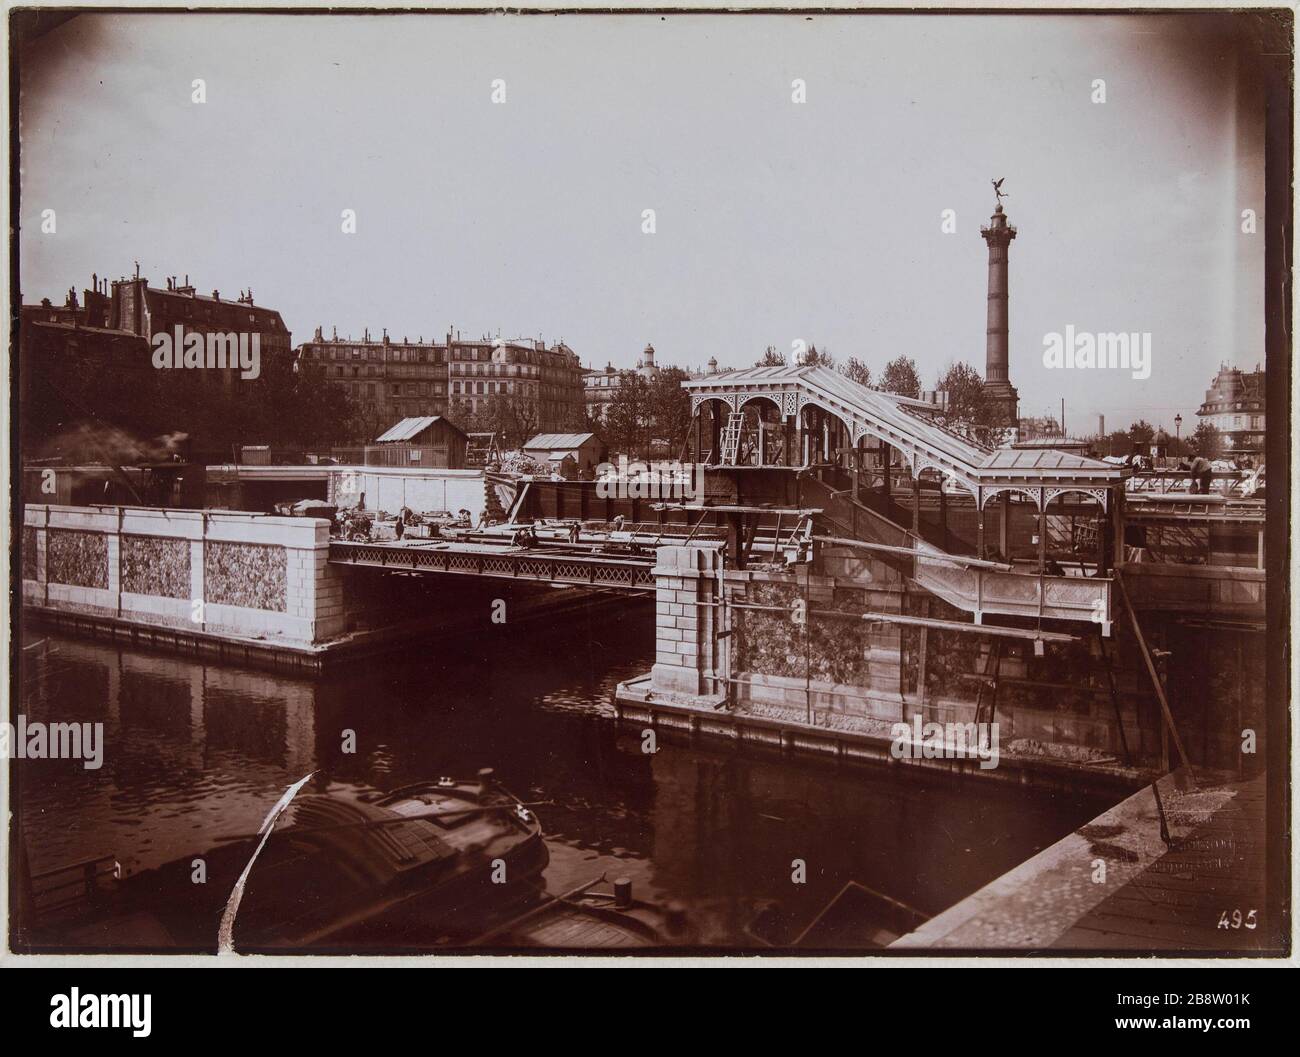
(355, 524)
(518, 462)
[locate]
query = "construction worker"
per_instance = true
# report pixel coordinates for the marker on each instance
(1201, 472)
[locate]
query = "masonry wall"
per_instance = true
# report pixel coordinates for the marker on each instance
(247, 575)
(827, 665)
(843, 672)
(839, 671)
(686, 590)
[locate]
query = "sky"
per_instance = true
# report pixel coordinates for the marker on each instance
(775, 221)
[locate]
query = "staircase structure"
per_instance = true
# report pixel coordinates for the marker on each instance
(841, 427)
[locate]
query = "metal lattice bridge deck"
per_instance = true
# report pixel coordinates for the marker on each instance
(622, 573)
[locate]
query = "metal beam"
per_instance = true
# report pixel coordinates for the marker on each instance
(1029, 634)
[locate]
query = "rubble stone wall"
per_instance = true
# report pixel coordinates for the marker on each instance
(154, 565)
(77, 558)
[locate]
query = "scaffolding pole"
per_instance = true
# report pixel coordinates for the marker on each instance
(1155, 676)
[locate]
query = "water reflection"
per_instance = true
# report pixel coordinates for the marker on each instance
(195, 750)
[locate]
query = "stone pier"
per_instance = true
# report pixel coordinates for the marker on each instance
(687, 593)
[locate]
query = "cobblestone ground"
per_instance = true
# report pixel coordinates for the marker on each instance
(1115, 884)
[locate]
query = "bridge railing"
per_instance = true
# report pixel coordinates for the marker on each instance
(971, 588)
(1019, 594)
(596, 571)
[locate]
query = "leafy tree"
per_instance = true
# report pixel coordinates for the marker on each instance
(628, 422)
(593, 423)
(669, 407)
(900, 377)
(1207, 441)
(366, 424)
(299, 408)
(1173, 446)
(496, 414)
(966, 399)
(512, 419)
(573, 419)
(644, 411)
(1142, 433)
(460, 414)
(856, 371)
(114, 389)
(526, 418)
(818, 358)
(772, 357)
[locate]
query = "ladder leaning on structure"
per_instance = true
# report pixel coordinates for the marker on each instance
(731, 438)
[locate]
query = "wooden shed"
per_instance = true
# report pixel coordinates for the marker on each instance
(584, 449)
(428, 440)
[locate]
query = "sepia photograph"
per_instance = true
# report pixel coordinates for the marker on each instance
(648, 486)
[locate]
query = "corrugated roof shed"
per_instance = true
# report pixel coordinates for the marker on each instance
(409, 428)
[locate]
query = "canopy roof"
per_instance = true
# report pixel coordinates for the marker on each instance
(908, 425)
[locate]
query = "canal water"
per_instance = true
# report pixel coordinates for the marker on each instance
(196, 750)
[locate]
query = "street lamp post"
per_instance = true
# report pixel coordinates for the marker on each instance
(1178, 430)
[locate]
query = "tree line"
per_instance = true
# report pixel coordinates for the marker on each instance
(645, 417)
(969, 409)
